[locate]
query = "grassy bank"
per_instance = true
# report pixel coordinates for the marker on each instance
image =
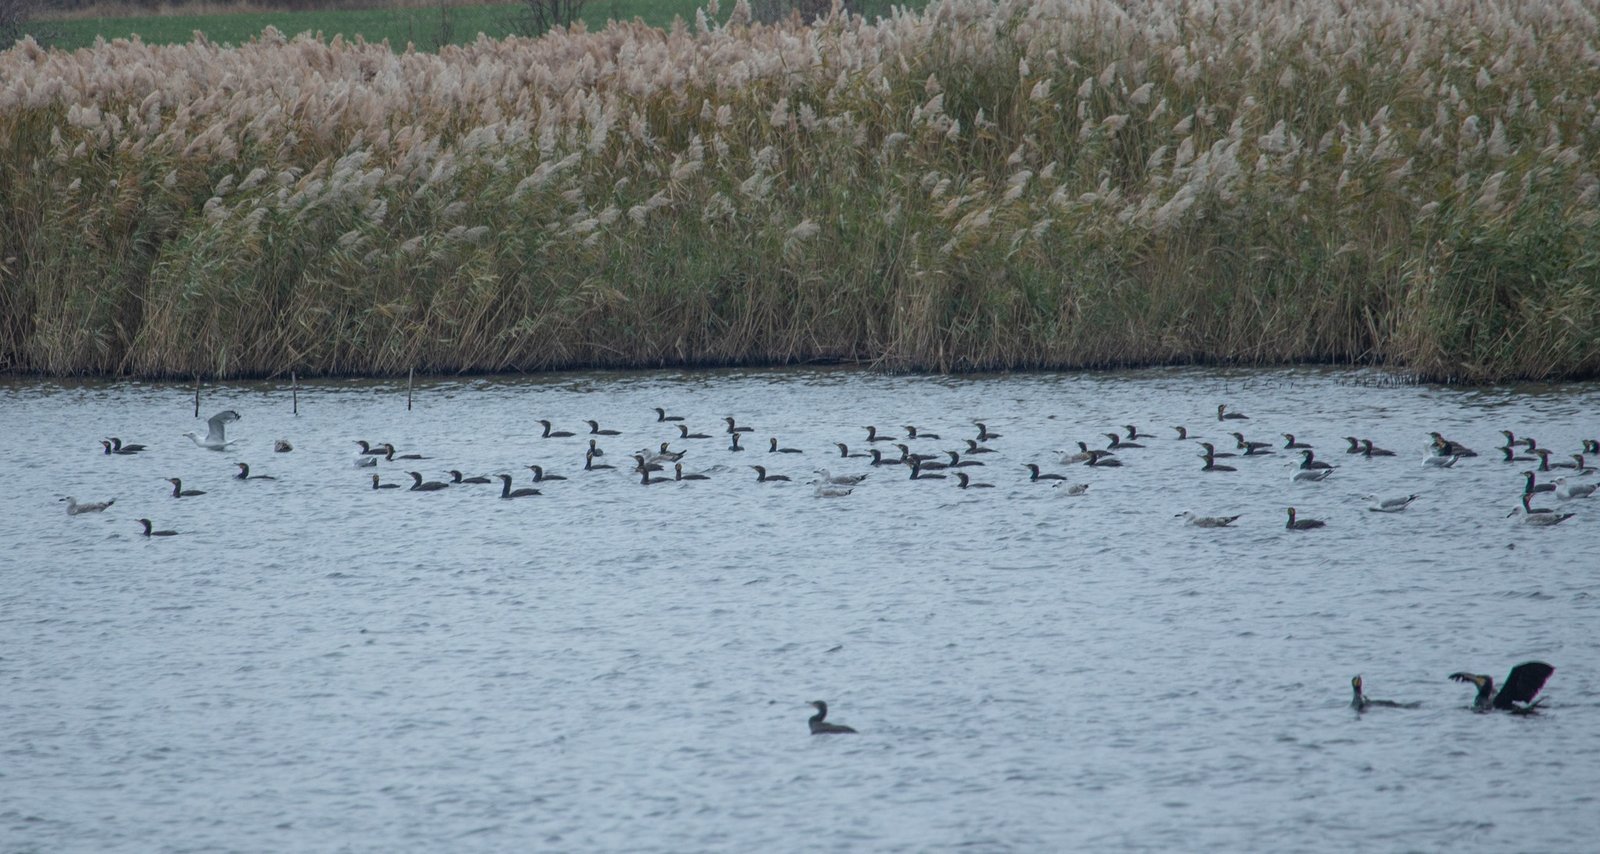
(984, 185)
(428, 26)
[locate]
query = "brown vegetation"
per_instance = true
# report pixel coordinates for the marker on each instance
(1020, 184)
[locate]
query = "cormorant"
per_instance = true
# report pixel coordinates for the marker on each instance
(1361, 702)
(819, 726)
(1521, 686)
(1302, 524)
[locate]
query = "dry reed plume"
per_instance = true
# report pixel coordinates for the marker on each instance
(1012, 184)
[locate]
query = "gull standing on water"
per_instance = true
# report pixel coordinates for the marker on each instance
(216, 429)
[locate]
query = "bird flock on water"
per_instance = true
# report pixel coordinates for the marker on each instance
(881, 454)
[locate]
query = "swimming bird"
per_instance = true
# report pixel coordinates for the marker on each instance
(1521, 686)
(1104, 460)
(763, 477)
(74, 508)
(1529, 487)
(974, 448)
(1569, 491)
(1361, 702)
(216, 428)
(683, 433)
(830, 490)
(550, 432)
(590, 465)
(456, 478)
(844, 451)
(841, 479)
(368, 449)
(244, 473)
(1224, 415)
(911, 433)
(984, 433)
(927, 460)
(774, 449)
(417, 484)
(735, 446)
(1538, 516)
(540, 477)
(661, 415)
(281, 446)
(1068, 458)
(106, 443)
(1355, 445)
(1190, 518)
(878, 459)
(1117, 444)
(594, 448)
(965, 481)
(594, 430)
(666, 454)
(819, 726)
(1546, 465)
(1369, 450)
(1290, 444)
(1310, 461)
(1034, 475)
(1311, 475)
(366, 462)
(1445, 446)
(150, 533)
(1252, 449)
(377, 485)
(1511, 440)
(645, 479)
(646, 466)
(1211, 464)
(1295, 524)
(391, 454)
(179, 492)
(507, 492)
(1071, 488)
(957, 462)
(117, 447)
(1133, 432)
(1183, 433)
(733, 428)
(1211, 451)
(1390, 505)
(872, 435)
(918, 474)
(679, 474)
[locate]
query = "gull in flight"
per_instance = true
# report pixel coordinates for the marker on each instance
(217, 426)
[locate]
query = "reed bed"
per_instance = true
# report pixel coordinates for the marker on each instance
(979, 185)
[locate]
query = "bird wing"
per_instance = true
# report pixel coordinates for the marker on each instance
(217, 426)
(1524, 682)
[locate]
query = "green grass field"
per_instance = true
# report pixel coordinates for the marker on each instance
(427, 28)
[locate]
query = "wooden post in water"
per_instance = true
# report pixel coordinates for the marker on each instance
(197, 395)
(294, 391)
(411, 378)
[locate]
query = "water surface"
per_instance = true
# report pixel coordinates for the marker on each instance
(312, 665)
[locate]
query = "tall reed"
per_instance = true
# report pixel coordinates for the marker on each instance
(984, 184)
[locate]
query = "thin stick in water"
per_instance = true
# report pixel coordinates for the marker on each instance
(294, 391)
(411, 377)
(197, 395)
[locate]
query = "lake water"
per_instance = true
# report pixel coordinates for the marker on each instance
(312, 665)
